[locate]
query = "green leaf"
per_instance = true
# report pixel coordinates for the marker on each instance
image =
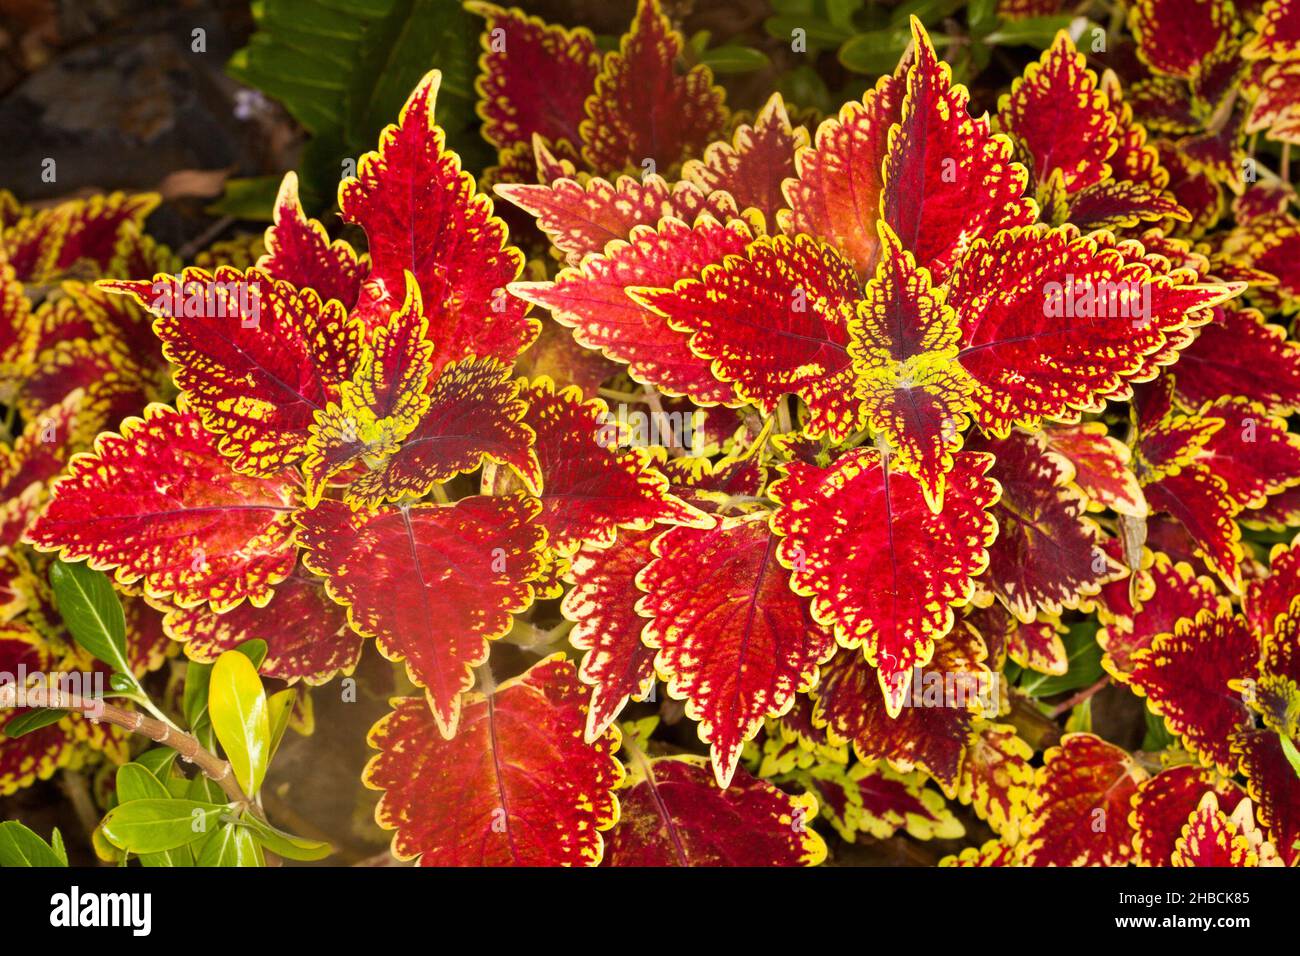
(241, 718)
(927, 11)
(1084, 656)
(1036, 32)
(1292, 755)
(876, 52)
(30, 721)
(734, 58)
(248, 198)
(230, 845)
(136, 782)
(286, 844)
(159, 761)
(92, 612)
(281, 709)
(151, 826)
(19, 846)
(343, 69)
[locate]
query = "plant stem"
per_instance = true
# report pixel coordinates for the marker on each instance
(191, 751)
(1085, 694)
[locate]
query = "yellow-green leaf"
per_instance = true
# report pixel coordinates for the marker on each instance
(241, 718)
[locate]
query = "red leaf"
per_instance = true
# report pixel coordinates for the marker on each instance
(422, 215)
(1174, 36)
(1046, 555)
(255, 358)
(643, 107)
(674, 814)
(591, 300)
(1212, 838)
(1186, 676)
(1277, 32)
(877, 562)
(734, 641)
(516, 786)
(1242, 355)
(773, 320)
(474, 415)
(756, 162)
(1102, 466)
(159, 503)
(1162, 805)
(1034, 345)
(1057, 113)
(947, 179)
(602, 605)
(581, 219)
(299, 251)
(534, 77)
(1274, 786)
(306, 634)
(1079, 813)
(836, 195)
(432, 583)
(589, 488)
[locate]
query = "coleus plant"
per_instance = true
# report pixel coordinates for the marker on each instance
(964, 399)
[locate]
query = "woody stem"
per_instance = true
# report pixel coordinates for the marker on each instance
(1085, 694)
(213, 767)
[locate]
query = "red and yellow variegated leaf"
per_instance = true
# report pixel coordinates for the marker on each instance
(933, 727)
(1162, 805)
(1276, 696)
(1174, 593)
(46, 443)
(1058, 115)
(1268, 597)
(474, 415)
(255, 357)
(773, 320)
(947, 179)
(1027, 301)
(516, 786)
(992, 853)
(159, 503)
(15, 321)
(1274, 786)
(1102, 466)
(1213, 838)
(752, 167)
(862, 542)
(307, 635)
(904, 344)
(432, 583)
(1241, 355)
(79, 232)
(1276, 110)
(1079, 812)
(875, 800)
(422, 214)
(1046, 555)
(643, 107)
(793, 741)
(581, 219)
(836, 195)
(37, 755)
(996, 778)
(591, 299)
(673, 813)
(299, 251)
(1174, 36)
(1253, 452)
(602, 605)
(734, 641)
(589, 488)
(534, 77)
(1277, 32)
(1119, 204)
(1195, 191)
(1036, 644)
(1185, 675)
(383, 401)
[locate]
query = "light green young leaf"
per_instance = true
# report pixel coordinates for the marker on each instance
(32, 720)
(241, 718)
(286, 844)
(151, 826)
(230, 845)
(92, 612)
(20, 846)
